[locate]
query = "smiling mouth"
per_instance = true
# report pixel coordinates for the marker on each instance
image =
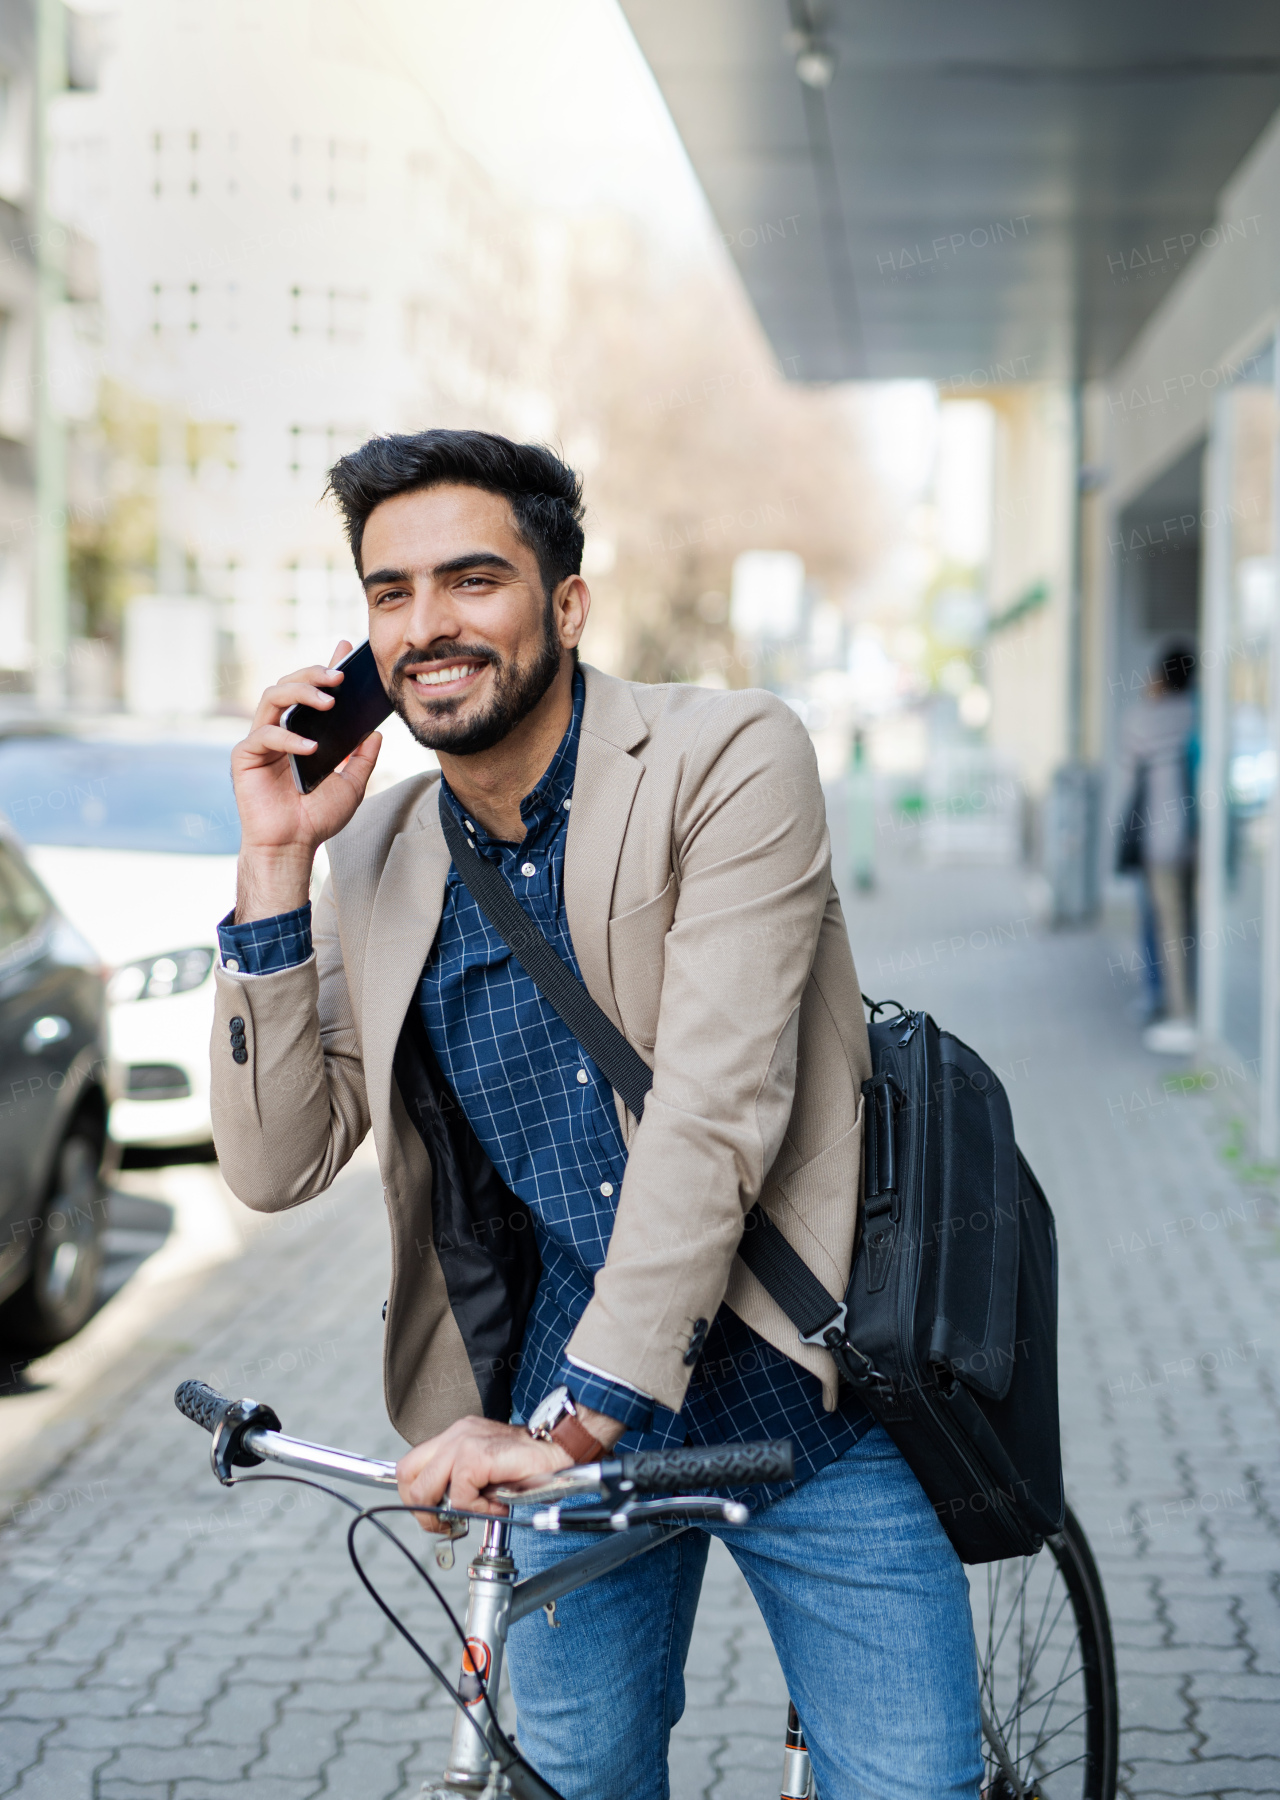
(444, 678)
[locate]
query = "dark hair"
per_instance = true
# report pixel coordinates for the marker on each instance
(545, 495)
(1177, 667)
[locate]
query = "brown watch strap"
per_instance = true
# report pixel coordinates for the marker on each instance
(572, 1435)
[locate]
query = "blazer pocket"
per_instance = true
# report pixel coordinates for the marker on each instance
(636, 963)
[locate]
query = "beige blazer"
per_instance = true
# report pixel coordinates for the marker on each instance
(701, 906)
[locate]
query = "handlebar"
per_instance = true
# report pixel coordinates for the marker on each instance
(201, 1404)
(712, 1465)
(247, 1432)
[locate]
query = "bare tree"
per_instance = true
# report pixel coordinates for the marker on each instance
(695, 447)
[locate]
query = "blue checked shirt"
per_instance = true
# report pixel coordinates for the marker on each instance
(545, 1115)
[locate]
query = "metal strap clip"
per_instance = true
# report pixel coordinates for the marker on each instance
(822, 1336)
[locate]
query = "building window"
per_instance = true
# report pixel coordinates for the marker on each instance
(328, 169)
(184, 307)
(175, 163)
(313, 449)
(337, 314)
(15, 137)
(325, 603)
(175, 307)
(186, 164)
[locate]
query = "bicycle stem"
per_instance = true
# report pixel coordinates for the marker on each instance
(490, 1585)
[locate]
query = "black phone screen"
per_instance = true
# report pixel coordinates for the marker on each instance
(360, 705)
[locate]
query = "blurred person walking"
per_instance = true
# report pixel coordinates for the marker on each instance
(1159, 738)
(565, 1278)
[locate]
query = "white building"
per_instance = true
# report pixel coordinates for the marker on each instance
(294, 255)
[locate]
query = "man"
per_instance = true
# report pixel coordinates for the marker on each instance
(671, 844)
(1158, 777)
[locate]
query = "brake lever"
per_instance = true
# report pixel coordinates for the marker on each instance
(677, 1508)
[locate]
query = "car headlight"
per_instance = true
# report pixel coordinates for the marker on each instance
(177, 972)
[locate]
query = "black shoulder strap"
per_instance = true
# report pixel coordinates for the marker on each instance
(551, 975)
(779, 1269)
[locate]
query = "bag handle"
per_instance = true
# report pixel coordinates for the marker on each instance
(779, 1269)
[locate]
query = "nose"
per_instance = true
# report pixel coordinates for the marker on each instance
(432, 616)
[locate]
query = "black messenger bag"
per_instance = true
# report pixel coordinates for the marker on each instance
(953, 1295)
(948, 1330)
(949, 1327)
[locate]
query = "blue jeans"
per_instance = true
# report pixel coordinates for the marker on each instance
(868, 1608)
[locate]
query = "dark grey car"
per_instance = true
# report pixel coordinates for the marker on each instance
(53, 1113)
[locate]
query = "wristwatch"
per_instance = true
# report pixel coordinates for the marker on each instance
(556, 1421)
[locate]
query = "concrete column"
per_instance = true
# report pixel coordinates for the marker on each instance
(50, 447)
(1215, 627)
(1269, 1069)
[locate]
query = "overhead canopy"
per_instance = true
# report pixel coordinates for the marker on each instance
(993, 190)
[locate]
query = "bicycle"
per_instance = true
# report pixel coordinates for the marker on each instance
(1043, 1634)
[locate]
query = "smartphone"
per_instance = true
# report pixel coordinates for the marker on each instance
(359, 707)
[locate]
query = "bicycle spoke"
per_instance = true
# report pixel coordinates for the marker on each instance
(1073, 1720)
(1027, 1670)
(994, 1650)
(1048, 1774)
(1048, 1692)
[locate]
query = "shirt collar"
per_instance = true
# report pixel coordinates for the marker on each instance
(547, 800)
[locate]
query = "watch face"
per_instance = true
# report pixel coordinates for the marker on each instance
(549, 1411)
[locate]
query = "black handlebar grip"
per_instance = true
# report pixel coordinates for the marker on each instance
(201, 1404)
(718, 1465)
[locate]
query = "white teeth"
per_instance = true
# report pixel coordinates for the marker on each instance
(438, 677)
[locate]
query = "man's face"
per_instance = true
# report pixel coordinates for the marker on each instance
(464, 636)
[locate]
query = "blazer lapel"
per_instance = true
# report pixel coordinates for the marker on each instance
(402, 927)
(604, 787)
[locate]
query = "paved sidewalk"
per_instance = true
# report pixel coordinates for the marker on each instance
(163, 1638)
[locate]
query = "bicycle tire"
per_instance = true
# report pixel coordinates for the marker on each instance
(1051, 1711)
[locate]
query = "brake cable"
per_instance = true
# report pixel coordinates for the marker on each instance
(370, 1513)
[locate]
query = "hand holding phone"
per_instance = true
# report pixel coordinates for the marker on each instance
(283, 821)
(359, 707)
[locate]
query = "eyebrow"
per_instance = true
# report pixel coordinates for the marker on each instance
(471, 559)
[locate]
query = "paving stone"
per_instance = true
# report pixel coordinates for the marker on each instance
(60, 1775)
(20, 1744)
(153, 1731)
(298, 1744)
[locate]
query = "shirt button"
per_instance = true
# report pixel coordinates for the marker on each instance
(468, 824)
(232, 964)
(606, 1188)
(568, 803)
(582, 1076)
(527, 869)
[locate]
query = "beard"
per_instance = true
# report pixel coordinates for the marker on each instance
(517, 689)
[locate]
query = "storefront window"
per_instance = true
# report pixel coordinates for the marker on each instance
(1250, 754)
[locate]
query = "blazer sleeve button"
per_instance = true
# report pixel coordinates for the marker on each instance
(237, 1024)
(240, 1055)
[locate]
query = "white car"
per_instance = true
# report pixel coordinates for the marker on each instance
(137, 843)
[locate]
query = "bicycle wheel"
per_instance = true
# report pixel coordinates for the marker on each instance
(1050, 1715)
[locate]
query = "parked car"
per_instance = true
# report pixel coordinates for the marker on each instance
(53, 1112)
(137, 843)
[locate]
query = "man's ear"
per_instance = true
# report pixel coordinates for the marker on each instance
(571, 604)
